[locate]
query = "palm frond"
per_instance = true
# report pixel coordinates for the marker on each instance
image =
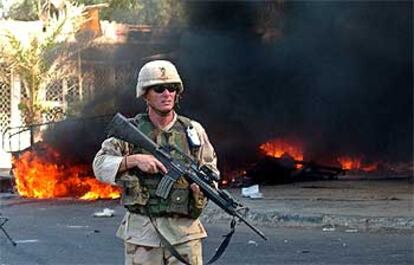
(45, 57)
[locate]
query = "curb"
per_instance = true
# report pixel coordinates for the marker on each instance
(327, 222)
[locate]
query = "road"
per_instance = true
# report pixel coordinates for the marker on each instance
(65, 232)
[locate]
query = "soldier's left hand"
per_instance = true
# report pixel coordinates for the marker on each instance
(195, 188)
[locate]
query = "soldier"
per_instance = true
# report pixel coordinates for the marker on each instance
(154, 228)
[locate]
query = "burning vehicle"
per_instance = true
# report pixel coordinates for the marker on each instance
(281, 161)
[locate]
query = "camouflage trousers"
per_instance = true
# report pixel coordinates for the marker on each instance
(142, 255)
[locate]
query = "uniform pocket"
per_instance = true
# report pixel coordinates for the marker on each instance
(179, 201)
(132, 191)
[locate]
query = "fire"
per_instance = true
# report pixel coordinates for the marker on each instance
(277, 148)
(355, 163)
(349, 163)
(41, 173)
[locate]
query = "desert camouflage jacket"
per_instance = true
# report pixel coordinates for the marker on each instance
(136, 228)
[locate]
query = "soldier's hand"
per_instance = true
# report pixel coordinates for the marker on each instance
(197, 193)
(146, 163)
(199, 199)
(195, 188)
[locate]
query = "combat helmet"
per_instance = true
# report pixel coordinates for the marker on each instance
(158, 72)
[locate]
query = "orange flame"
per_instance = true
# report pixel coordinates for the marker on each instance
(349, 163)
(355, 163)
(277, 148)
(40, 173)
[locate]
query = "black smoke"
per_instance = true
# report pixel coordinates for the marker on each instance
(337, 76)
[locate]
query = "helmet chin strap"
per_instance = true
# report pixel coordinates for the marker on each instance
(177, 101)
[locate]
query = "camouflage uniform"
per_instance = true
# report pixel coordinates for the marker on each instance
(142, 243)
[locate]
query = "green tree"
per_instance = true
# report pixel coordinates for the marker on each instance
(148, 12)
(25, 10)
(42, 58)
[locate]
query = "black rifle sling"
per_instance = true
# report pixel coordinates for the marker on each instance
(223, 245)
(165, 241)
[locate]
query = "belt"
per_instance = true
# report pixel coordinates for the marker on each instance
(138, 209)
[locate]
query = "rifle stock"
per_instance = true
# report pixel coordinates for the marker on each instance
(121, 128)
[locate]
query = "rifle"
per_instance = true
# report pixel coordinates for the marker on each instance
(204, 177)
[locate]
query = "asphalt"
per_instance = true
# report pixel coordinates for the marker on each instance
(343, 205)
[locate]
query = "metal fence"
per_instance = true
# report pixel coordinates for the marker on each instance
(5, 105)
(61, 96)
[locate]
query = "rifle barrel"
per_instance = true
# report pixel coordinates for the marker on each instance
(257, 231)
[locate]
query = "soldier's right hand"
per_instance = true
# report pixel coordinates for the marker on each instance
(146, 163)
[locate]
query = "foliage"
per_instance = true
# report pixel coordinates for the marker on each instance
(25, 10)
(42, 57)
(148, 12)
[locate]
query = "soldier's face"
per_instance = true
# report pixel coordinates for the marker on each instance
(161, 98)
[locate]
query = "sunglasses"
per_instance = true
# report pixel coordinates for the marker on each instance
(161, 88)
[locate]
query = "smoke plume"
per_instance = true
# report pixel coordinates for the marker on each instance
(335, 75)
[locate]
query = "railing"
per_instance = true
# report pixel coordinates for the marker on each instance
(16, 139)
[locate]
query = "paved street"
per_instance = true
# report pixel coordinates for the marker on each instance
(65, 232)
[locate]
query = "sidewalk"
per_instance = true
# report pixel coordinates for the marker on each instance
(358, 205)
